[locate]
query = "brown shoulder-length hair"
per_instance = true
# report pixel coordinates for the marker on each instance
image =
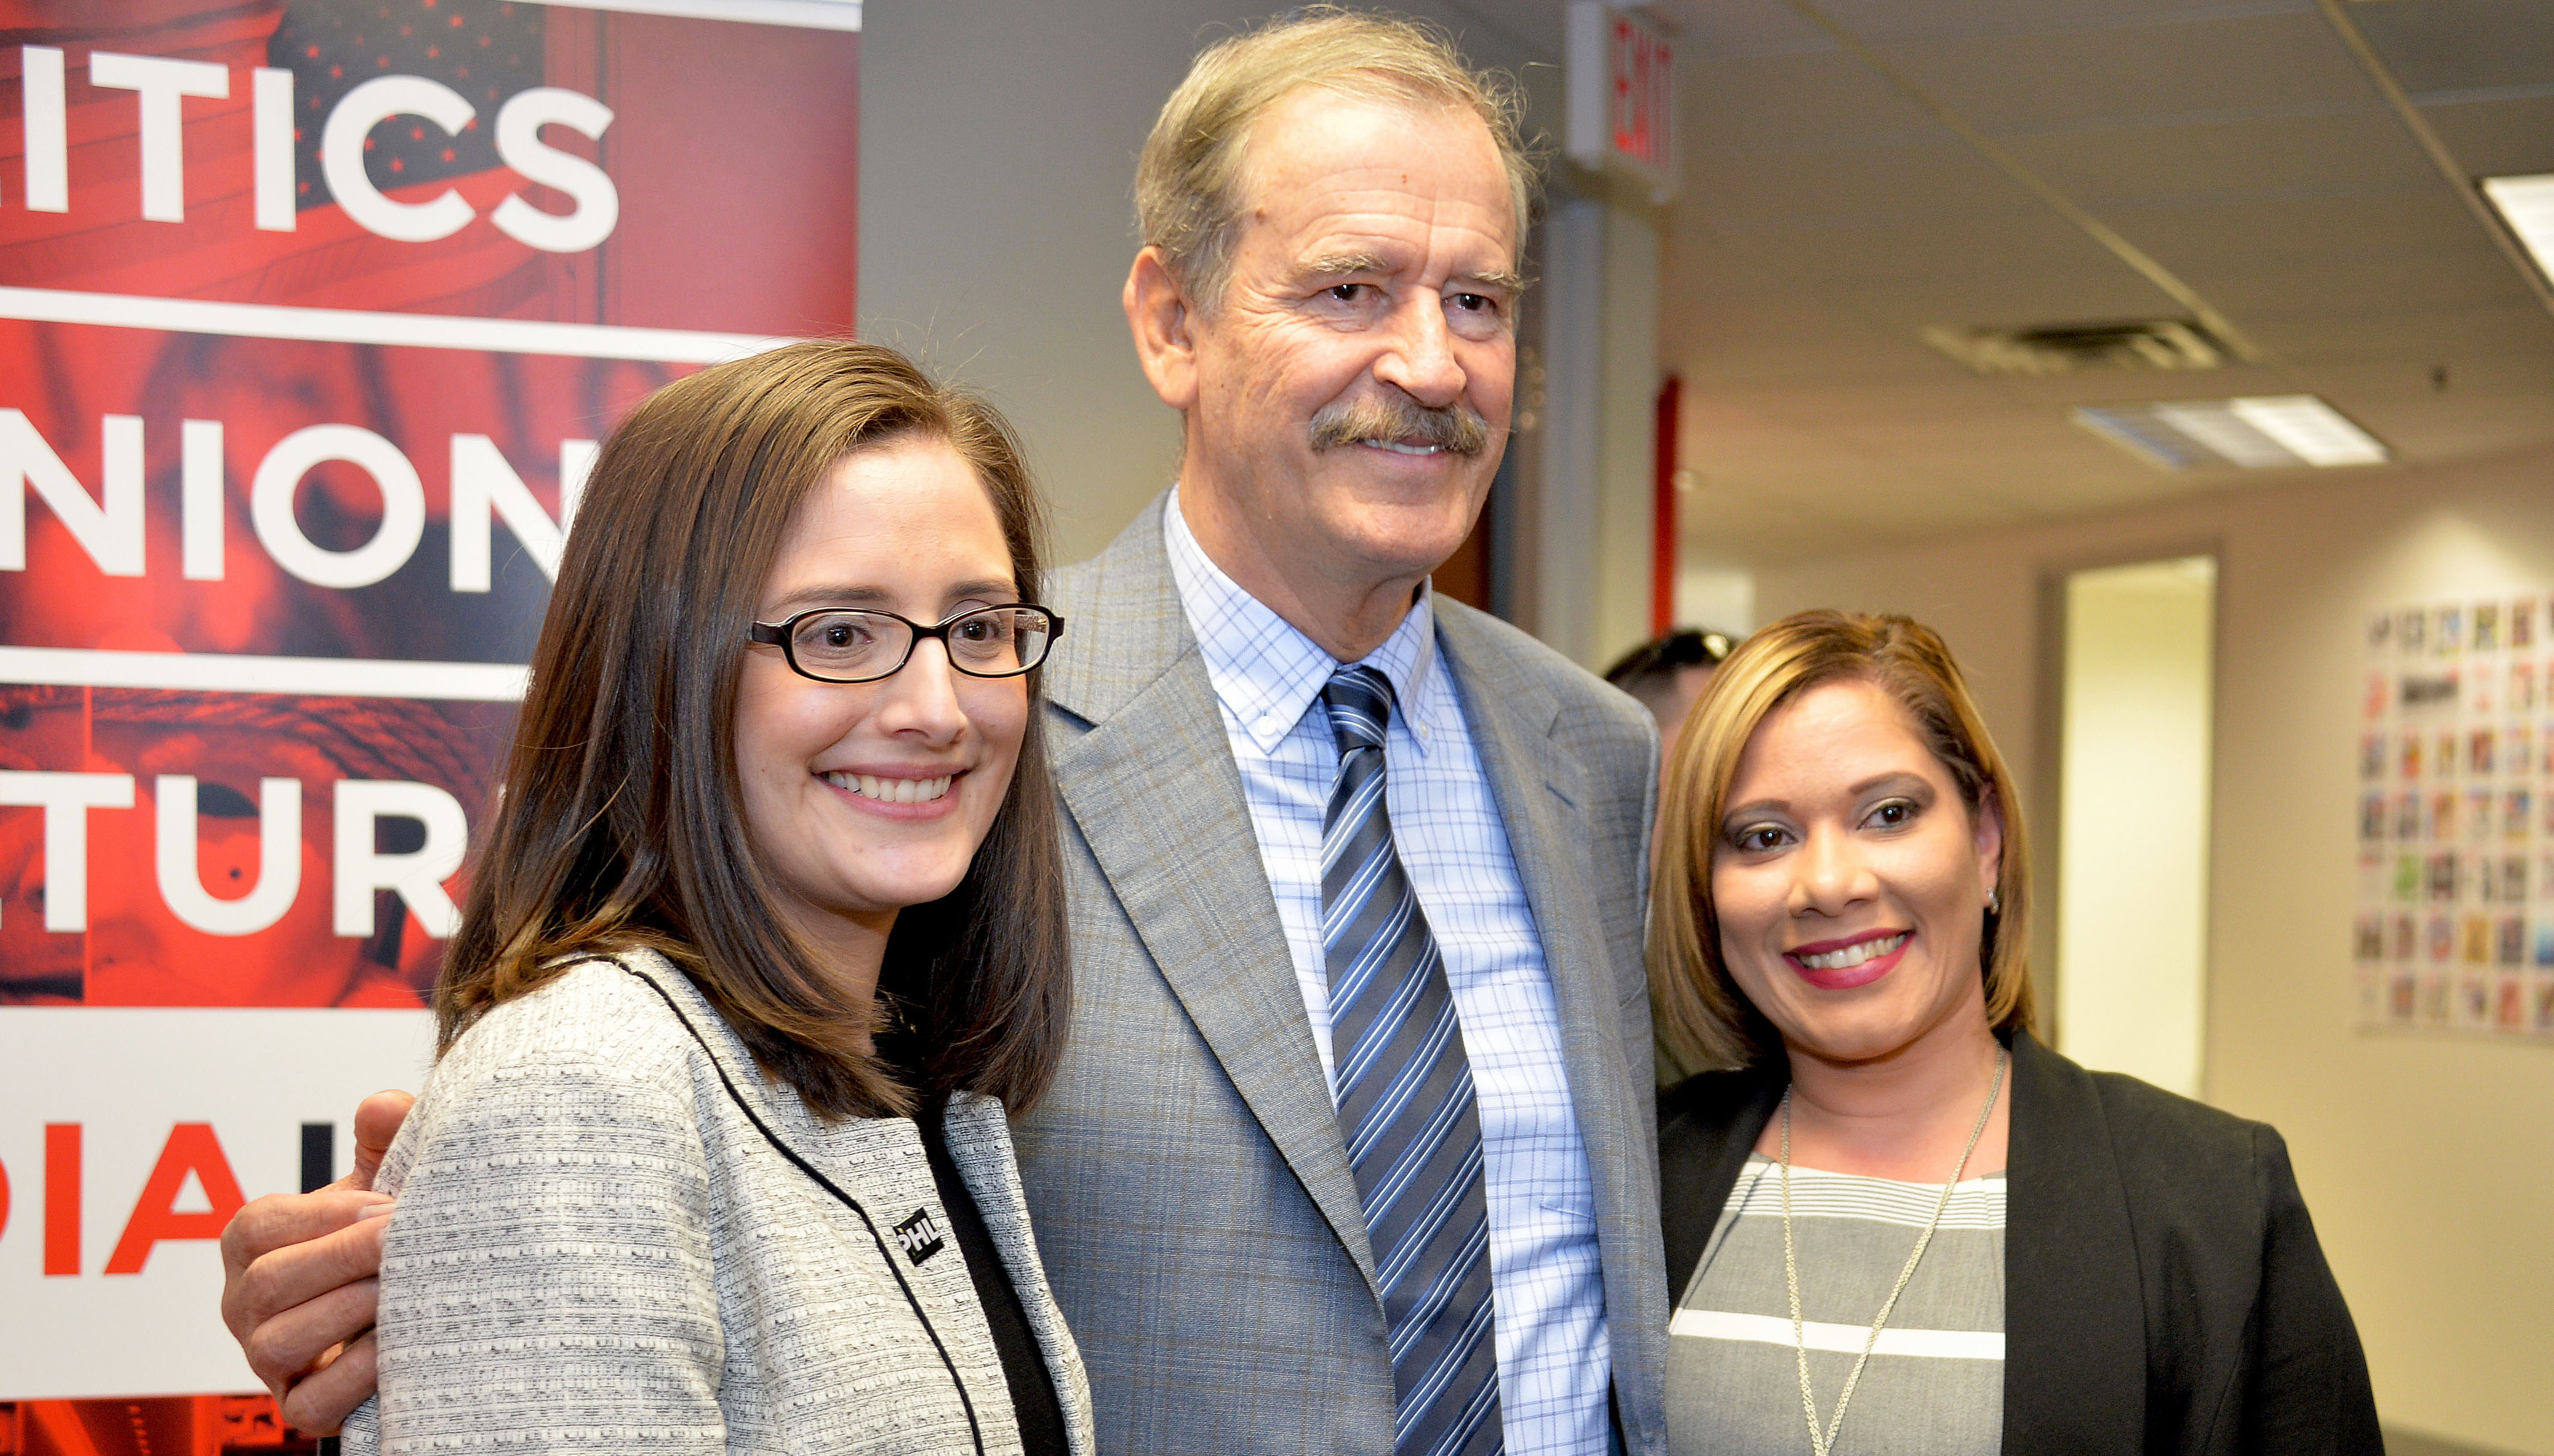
(618, 822)
(1703, 1017)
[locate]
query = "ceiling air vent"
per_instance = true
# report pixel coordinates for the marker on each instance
(2163, 343)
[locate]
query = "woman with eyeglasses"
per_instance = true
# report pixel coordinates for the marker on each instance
(1895, 1221)
(768, 934)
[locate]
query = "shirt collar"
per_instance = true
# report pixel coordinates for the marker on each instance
(1264, 670)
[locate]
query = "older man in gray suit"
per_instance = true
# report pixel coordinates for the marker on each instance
(1352, 1146)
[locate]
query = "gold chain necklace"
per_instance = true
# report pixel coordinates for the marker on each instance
(1822, 1440)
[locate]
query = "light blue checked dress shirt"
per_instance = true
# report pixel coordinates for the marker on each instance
(1545, 1278)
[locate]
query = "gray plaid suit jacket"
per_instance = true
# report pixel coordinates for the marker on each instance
(1191, 1189)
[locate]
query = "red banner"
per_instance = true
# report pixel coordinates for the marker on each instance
(312, 314)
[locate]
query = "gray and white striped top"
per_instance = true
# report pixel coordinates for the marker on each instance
(1934, 1386)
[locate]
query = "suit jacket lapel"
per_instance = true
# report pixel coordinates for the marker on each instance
(1540, 789)
(1154, 790)
(2074, 1311)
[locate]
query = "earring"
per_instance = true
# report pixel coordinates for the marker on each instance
(1995, 902)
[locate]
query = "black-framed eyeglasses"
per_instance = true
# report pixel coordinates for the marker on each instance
(838, 644)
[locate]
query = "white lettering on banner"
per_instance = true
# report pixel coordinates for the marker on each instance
(360, 871)
(160, 85)
(269, 505)
(67, 799)
(199, 500)
(416, 875)
(341, 156)
(47, 129)
(519, 142)
(484, 486)
(108, 529)
(125, 1140)
(279, 859)
(271, 149)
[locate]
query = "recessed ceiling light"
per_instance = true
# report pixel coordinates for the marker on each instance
(2255, 432)
(2527, 205)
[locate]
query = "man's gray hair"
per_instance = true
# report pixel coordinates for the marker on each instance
(1187, 182)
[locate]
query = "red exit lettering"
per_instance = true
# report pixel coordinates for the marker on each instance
(1641, 79)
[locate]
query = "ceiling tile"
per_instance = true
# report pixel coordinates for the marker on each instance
(2361, 154)
(2498, 138)
(1825, 221)
(2461, 44)
(2133, 78)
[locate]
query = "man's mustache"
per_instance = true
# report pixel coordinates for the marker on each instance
(1455, 429)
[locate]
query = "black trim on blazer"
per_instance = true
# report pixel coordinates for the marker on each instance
(817, 1176)
(1706, 1125)
(2164, 1288)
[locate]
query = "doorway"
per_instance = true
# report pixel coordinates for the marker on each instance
(2138, 725)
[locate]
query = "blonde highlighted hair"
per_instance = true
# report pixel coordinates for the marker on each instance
(1704, 1019)
(1188, 180)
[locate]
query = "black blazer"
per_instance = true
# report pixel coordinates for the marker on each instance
(2164, 1288)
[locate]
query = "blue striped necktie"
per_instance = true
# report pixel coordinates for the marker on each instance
(1405, 1102)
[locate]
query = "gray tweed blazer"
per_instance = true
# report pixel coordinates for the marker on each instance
(1187, 1172)
(612, 1236)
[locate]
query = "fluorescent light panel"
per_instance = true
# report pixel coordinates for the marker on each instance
(2222, 431)
(2254, 433)
(2310, 429)
(2527, 205)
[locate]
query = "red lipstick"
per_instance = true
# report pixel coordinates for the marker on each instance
(1860, 973)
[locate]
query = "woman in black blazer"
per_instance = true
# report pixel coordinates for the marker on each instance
(1840, 919)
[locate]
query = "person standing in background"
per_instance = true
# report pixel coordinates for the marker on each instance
(1667, 674)
(1352, 1148)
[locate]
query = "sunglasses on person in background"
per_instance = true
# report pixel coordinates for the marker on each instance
(833, 644)
(1686, 648)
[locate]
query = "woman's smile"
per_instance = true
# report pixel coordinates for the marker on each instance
(1854, 960)
(906, 794)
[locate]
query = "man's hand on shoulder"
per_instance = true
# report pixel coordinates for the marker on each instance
(301, 1281)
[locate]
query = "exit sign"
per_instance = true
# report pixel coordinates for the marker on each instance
(1621, 101)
